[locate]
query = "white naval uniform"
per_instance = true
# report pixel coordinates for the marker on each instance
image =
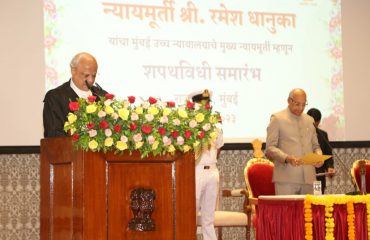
(207, 184)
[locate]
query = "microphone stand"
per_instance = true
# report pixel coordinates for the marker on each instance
(338, 159)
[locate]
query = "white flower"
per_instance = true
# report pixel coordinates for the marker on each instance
(108, 132)
(92, 133)
(101, 114)
(206, 127)
(163, 119)
(115, 116)
(193, 123)
(180, 140)
(149, 117)
(166, 141)
(151, 139)
(137, 137)
(134, 116)
(145, 105)
(197, 106)
(176, 122)
(108, 102)
(124, 139)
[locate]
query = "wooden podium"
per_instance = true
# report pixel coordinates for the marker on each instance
(87, 195)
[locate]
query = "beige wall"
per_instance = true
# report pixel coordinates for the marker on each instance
(356, 65)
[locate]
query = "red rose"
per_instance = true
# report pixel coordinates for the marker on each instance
(201, 135)
(146, 128)
(90, 125)
(75, 137)
(171, 104)
(91, 98)
(133, 126)
(131, 99)
(109, 96)
(174, 134)
(162, 131)
(187, 134)
(152, 100)
(208, 106)
(189, 104)
(104, 124)
(117, 128)
(74, 106)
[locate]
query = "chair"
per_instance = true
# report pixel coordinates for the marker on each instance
(356, 176)
(231, 218)
(258, 178)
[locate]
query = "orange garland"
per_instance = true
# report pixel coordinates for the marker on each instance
(329, 201)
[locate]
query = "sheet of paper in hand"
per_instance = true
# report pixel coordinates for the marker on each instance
(312, 158)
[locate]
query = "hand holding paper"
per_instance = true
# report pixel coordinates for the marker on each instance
(313, 158)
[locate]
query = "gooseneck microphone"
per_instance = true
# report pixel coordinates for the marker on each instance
(98, 87)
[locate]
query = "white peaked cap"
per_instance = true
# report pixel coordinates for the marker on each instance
(199, 92)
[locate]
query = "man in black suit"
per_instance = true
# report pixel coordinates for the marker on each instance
(84, 68)
(322, 136)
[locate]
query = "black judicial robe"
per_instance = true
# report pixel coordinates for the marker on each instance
(56, 108)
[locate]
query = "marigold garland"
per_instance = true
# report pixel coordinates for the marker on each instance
(308, 219)
(328, 202)
(368, 217)
(351, 221)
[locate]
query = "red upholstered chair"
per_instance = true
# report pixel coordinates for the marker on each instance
(258, 178)
(355, 172)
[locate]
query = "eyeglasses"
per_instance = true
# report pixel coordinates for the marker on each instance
(297, 104)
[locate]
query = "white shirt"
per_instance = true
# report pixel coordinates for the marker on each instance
(80, 93)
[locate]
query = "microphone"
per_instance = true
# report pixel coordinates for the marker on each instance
(90, 87)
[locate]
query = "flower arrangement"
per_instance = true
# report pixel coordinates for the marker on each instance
(152, 127)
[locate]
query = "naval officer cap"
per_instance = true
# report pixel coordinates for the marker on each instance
(201, 95)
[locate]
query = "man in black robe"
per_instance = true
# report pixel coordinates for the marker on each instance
(84, 69)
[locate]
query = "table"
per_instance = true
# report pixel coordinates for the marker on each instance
(283, 217)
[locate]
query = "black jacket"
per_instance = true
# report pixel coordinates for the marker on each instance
(56, 108)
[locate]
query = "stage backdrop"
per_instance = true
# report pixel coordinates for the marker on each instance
(249, 53)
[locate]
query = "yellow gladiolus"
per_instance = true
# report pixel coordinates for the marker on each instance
(138, 145)
(213, 119)
(182, 113)
(186, 148)
(171, 148)
(139, 110)
(109, 110)
(91, 108)
(213, 135)
(121, 145)
(155, 145)
(166, 111)
(93, 144)
(199, 117)
(108, 142)
(153, 110)
(71, 118)
(123, 113)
